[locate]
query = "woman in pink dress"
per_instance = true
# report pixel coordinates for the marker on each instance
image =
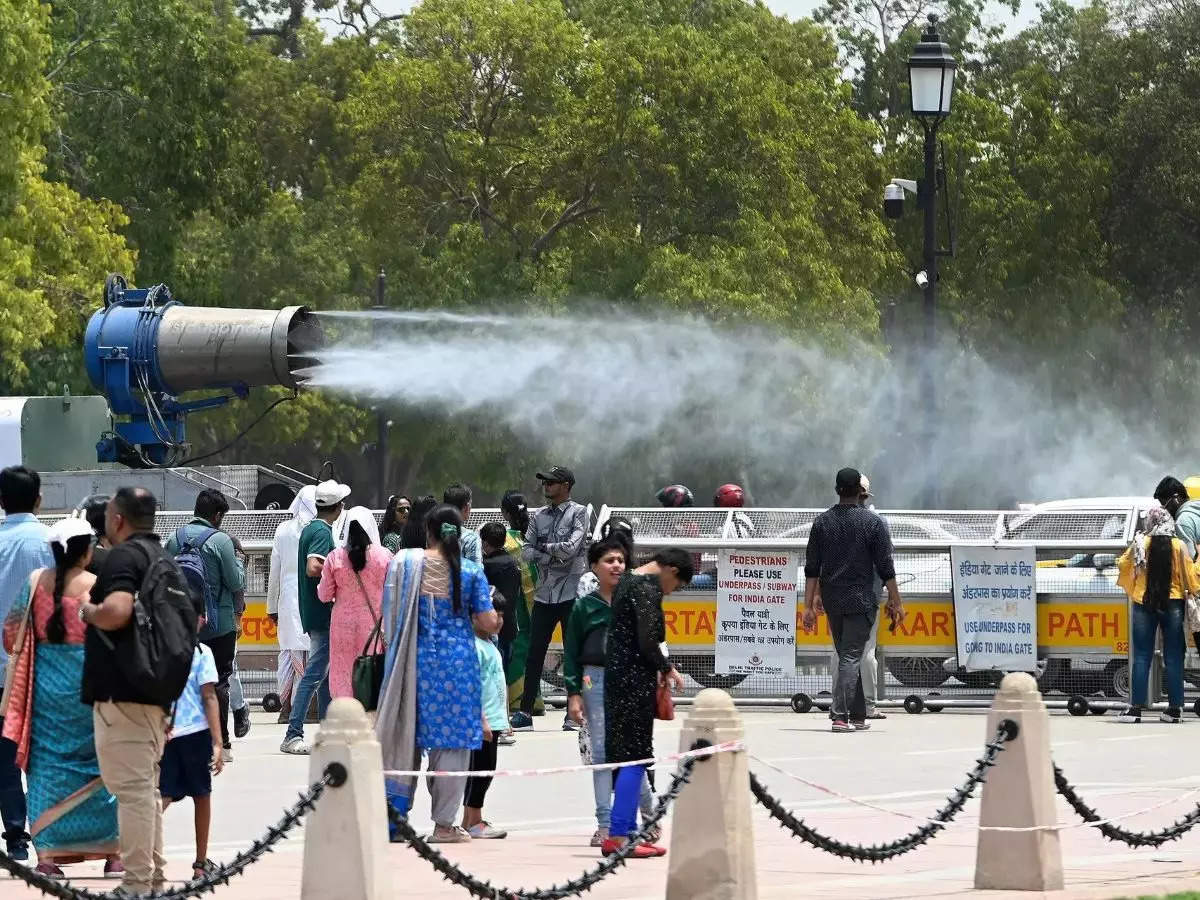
(352, 580)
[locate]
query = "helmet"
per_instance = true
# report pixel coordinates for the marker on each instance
(1193, 487)
(675, 495)
(729, 495)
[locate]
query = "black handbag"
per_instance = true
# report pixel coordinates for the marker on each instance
(367, 675)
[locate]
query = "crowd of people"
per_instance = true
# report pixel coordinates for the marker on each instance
(459, 621)
(463, 621)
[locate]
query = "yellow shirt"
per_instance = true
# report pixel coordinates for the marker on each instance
(1184, 577)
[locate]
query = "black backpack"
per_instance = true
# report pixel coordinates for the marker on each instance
(157, 658)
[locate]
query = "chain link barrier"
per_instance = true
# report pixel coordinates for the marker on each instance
(335, 776)
(1113, 832)
(1005, 732)
(585, 882)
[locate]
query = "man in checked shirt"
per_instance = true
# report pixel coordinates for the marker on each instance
(847, 546)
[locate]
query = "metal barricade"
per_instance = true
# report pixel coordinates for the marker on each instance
(1083, 633)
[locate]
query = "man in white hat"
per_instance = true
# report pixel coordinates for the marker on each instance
(316, 541)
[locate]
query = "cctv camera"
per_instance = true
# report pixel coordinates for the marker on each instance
(922, 279)
(893, 201)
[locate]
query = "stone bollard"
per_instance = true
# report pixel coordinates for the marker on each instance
(1019, 792)
(345, 837)
(712, 834)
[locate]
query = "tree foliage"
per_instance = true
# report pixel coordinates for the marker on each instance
(702, 155)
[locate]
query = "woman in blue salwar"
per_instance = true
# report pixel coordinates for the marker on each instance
(430, 699)
(72, 816)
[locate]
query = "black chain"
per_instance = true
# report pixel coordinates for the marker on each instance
(1115, 832)
(335, 776)
(585, 882)
(1006, 732)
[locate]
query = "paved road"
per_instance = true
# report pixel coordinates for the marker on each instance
(907, 764)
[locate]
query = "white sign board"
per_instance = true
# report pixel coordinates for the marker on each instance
(995, 607)
(756, 612)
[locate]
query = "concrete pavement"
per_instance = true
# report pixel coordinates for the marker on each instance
(907, 764)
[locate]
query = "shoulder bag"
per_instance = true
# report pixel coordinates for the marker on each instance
(664, 706)
(16, 658)
(367, 675)
(1191, 614)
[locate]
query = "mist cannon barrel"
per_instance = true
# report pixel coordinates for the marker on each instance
(144, 349)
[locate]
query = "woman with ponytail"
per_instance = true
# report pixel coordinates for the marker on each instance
(1157, 573)
(73, 817)
(431, 697)
(352, 580)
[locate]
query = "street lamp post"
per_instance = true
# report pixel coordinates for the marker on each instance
(381, 419)
(931, 71)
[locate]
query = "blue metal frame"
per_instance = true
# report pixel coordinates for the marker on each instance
(120, 349)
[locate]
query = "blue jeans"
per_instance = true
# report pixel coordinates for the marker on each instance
(12, 795)
(628, 785)
(1143, 625)
(315, 678)
(602, 779)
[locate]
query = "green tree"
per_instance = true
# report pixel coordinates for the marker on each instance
(55, 246)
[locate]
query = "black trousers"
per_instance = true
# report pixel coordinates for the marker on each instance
(482, 760)
(224, 649)
(543, 619)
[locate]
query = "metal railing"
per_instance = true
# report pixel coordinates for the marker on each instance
(1083, 619)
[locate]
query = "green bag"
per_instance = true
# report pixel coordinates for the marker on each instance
(366, 677)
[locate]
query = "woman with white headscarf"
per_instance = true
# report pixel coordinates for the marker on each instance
(283, 597)
(352, 580)
(1158, 575)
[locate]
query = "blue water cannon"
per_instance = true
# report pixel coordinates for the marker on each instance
(144, 349)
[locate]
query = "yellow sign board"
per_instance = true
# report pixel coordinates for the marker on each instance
(690, 625)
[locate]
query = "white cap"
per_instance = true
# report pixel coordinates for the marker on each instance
(65, 529)
(331, 493)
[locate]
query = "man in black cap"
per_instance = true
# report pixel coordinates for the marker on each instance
(847, 546)
(556, 541)
(1173, 496)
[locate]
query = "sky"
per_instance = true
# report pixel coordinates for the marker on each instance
(797, 8)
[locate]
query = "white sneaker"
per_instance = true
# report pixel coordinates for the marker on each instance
(295, 746)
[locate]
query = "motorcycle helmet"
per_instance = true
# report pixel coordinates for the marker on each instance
(675, 495)
(729, 495)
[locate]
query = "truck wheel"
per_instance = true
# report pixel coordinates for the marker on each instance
(1116, 678)
(913, 704)
(271, 703)
(802, 703)
(917, 671)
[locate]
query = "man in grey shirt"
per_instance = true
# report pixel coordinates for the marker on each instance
(556, 542)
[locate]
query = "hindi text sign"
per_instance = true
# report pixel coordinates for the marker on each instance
(995, 607)
(756, 612)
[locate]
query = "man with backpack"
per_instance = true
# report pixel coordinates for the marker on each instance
(209, 562)
(134, 668)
